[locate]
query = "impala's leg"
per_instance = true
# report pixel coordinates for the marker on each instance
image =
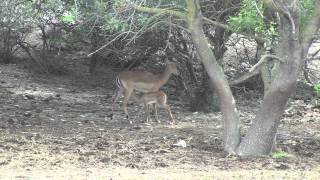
(156, 112)
(167, 107)
(127, 94)
(118, 93)
(147, 115)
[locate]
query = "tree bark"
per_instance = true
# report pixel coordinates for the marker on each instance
(230, 117)
(261, 134)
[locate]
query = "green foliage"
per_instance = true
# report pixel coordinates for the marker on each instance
(316, 101)
(16, 15)
(114, 24)
(306, 11)
(68, 17)
(280, 155)
(316, 89)
(109, 16)
(249, 20)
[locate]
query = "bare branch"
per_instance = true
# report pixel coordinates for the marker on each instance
(263, 59)
(258, 10)
(102, 47)
(314, 54)
(243, 78)
(184, 17)
(255, 70)
(159, 10)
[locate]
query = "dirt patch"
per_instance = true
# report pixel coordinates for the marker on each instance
(58, 127)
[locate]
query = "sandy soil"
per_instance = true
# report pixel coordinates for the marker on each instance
(58, 128)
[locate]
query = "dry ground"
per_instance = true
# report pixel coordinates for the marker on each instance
(58, 128)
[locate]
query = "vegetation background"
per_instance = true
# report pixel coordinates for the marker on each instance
(246, 98)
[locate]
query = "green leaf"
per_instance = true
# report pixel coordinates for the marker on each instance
(280, 155)
(68, 18)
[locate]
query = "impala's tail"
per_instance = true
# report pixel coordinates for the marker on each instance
(117, 91)
(118, 83)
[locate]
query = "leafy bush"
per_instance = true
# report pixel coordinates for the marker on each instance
(316, 89)
(316, 100)
(307, 7)
(250, 21)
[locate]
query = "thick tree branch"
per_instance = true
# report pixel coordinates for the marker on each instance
(244, 78)
(255, 69)
(263, 59)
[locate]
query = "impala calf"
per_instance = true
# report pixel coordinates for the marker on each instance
(141, 81)
(159, 99)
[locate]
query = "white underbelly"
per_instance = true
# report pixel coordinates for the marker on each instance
(143, 87)
(152, 102)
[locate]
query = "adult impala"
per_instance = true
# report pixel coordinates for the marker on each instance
(159, 99)
(141, 81)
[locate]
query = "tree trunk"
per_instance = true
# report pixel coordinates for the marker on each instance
(227, 104)
(261, 135)
(206, 100)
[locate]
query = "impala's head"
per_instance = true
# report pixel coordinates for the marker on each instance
(172, 67)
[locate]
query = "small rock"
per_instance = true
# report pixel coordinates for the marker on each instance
(29, 96)
(131, 165)
(86, 121)
(161, 151)
(309, 154)
(47, 99)
(10, 121)
(105, 160)
(22, 122)
(27, 114)
(136, 127)
(299, 113)
(282, 166)
(161, 164)
(181, 143)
